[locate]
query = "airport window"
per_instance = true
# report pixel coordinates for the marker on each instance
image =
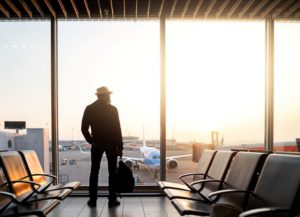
(124, 56)
(286, 87)
(25, 88)
(215, 89)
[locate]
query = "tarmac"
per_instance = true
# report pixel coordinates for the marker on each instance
(75, 165)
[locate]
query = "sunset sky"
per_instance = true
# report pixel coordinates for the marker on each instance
(215, 77)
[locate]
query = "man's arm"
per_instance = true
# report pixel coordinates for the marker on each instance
(119, 133)
(85, 124)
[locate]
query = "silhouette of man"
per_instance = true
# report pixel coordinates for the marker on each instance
(105, 136)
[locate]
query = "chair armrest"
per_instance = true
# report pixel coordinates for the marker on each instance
(264, 211)
(26, 182)
(227, 191)
(191, 174)
(205, 180)
(8, 194)
(43, 174)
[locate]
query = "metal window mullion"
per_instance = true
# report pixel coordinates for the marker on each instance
(54, 98)
(162, 99)
(269, 87)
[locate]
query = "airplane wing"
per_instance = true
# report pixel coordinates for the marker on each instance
(136, 159)
(178, 156)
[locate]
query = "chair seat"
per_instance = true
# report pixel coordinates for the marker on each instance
(69, 185)
(176, 193)
(189, 207)
(39, 208)
(57, 194)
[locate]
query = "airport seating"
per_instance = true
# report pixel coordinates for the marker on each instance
(9, 206)
(276, 193)
(238, 177)
(19, 182)
(36, 173)
(217, 171)
(204, 164)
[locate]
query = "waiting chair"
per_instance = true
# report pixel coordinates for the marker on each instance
(10, 208)
(204, 164)
(19, 182)
(217, 171)
(276, 193)
(36, 173)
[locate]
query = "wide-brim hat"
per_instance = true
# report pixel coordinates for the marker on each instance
(103, 90)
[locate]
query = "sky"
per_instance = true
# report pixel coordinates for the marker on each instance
(215, 77)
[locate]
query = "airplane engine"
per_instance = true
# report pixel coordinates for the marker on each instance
(129, 163)
(172, 164)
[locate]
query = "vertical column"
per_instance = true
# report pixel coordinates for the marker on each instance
(54, 98)
(162, 99)
(269, 91)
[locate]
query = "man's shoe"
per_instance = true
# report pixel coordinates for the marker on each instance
(113, 203)
(91, 203)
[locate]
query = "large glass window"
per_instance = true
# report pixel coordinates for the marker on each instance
(25, 87)
(287, 92)
(215, 86)
(124, 56)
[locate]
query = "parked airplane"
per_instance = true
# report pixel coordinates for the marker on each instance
(150, 158)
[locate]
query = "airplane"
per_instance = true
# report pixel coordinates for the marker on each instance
(150, 158)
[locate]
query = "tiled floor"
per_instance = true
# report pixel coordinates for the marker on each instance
(130, 207)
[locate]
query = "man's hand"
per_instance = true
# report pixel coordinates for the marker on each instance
(120, 153)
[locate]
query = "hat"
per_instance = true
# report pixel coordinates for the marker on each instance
(103, 90)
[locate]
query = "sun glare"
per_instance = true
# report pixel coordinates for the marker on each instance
(215, 76)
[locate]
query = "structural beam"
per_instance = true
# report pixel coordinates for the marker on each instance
(162, 99)
(185, 8)
(197, 8)
(136, 8)
(270, 8)
(112, 9)
(258, 7)
(293, 9)
(75, 8)
(4, 11)
(124, 8)
(148, 9)
(210, 6)
(245, 8)
(269, 91)
(50, 8)
(283, 7)
(173, 8)
(221, 8)
(233, 8)
(100, 9)
(62, 7)
(14, 8)
(87, 8)
(161, 8)
(37, 7)
(54, 99)
(25, 6)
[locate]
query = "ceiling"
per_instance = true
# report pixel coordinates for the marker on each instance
(150, 9)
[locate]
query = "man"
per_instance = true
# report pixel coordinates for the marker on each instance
(105, 136)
